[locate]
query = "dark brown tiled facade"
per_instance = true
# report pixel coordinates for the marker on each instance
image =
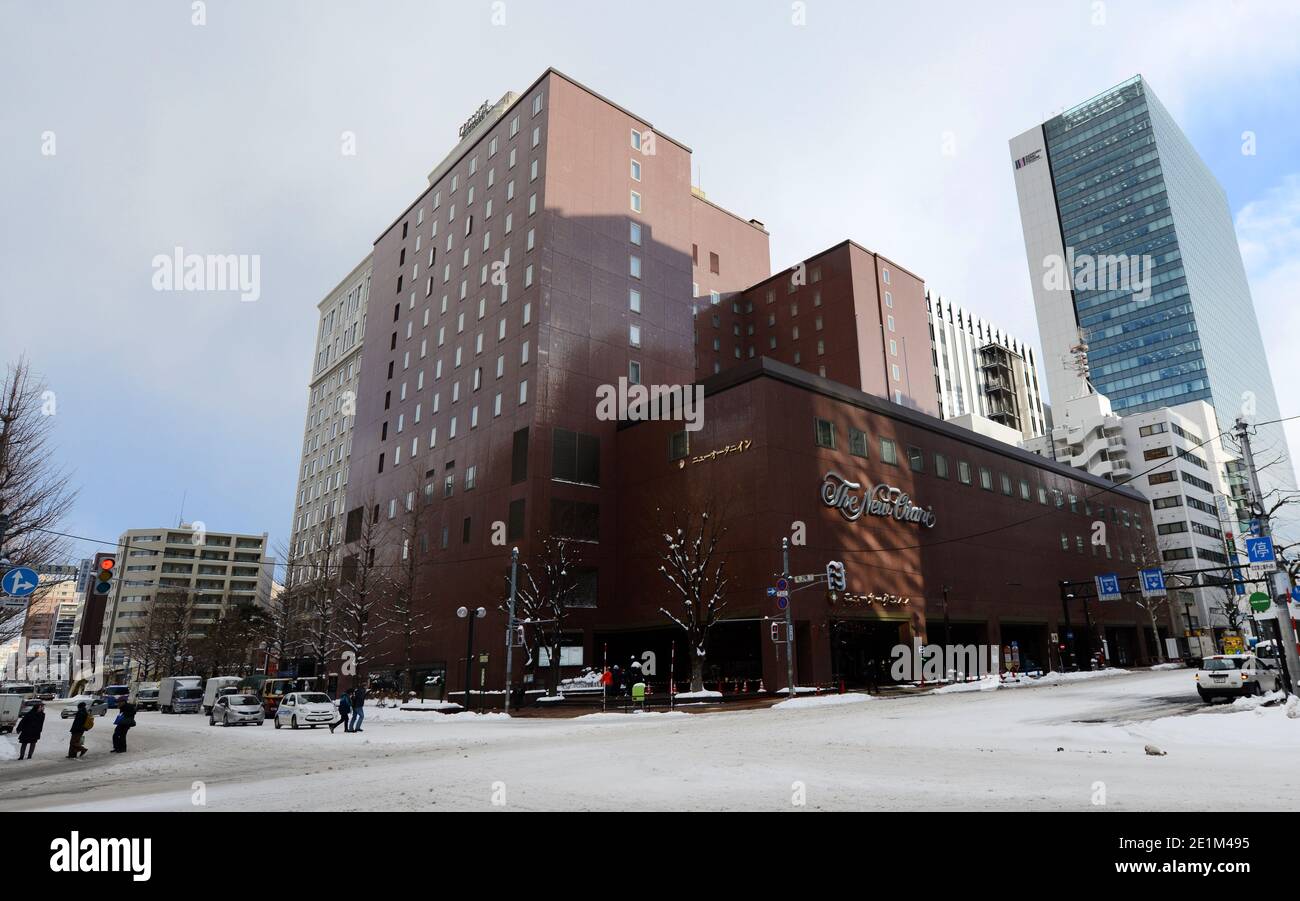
(482, 399)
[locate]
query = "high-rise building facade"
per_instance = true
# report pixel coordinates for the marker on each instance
(560, 250)
(1134, 260)
(331, 413)
(981, 370)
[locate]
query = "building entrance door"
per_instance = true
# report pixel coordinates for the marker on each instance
(861, 651)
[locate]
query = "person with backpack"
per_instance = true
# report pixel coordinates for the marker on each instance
(123, 724)
(29, 730)
(82, 722)
(345, 710)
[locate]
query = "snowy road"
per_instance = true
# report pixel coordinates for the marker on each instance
(1040, 747)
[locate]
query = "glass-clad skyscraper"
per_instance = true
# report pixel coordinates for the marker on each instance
(1114, 196)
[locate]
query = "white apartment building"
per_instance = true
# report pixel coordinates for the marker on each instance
(216, 570)
(331, 412)
(1173, 457)
(981, 371)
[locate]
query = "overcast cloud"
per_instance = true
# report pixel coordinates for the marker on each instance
(225, 138)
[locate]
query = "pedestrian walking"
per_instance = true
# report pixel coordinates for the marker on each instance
(29, 730)
(606, 681)
(124, 723)
(82, 721)
(345, 710)
(358, 707)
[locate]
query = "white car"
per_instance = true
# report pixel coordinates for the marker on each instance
(305, 708)
(1227, 675)
(237, 710)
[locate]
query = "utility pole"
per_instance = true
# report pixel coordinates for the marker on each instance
(789, 622)
(510, 622)
(1279, 581)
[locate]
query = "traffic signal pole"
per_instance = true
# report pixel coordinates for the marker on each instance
(1279, 581)
(789, 622)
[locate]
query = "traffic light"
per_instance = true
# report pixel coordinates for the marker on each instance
(835, 576)
(105, 564)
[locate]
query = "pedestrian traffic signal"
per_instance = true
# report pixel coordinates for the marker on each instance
(835, 576)
(105, 566)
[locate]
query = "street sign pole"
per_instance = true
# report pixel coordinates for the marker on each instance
(510, 622)
(1279, 583)
(789, 622)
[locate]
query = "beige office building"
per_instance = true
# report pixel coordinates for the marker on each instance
(331, 412)
(218, 570)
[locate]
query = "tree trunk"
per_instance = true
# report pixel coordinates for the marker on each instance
(697, 672)
(553, 671)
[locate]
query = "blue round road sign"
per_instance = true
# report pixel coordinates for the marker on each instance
(20, 581)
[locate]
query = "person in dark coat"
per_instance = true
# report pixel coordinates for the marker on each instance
(77, 744)
(29, 730)
(358, 705)
(125, 721)
(345, 710)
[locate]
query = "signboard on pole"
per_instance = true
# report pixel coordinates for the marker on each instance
(1153, 582)
(1108, 587)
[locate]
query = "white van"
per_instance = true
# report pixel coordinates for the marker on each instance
(180, 694)
(216, 687)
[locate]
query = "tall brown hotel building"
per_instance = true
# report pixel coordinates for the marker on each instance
(561, 247)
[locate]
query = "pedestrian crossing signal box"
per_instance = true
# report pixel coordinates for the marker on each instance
(782, 634)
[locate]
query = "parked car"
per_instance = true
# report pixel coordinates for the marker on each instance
(305, 708)
(96, 705)
(217, 686)
(116, 695)
(1232, 675)
(237, 710)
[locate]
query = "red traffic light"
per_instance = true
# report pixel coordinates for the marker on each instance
(107, 563)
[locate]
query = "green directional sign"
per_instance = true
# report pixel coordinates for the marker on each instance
(1260, 602)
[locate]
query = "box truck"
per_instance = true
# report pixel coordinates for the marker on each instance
(180, 694)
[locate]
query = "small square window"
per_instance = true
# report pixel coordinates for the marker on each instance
(636, 201)
(888, 451)
(824, 433)
(857, 442)
(636, 171)
(635, 233)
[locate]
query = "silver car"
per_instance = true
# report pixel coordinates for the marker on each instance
(237, 710)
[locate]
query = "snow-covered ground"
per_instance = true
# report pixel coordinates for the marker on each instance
(1038, 747)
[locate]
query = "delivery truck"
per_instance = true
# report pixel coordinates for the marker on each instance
(180, 694)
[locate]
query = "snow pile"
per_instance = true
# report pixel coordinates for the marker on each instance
(988, 683)
(1079, 676)
(616, 716)
(1160, 666)
(799, 689)
(430, 706)
(694, 695)
(820, 701)
(1251, 703)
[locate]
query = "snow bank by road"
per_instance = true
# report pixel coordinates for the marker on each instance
(820, 701)
(991, 683)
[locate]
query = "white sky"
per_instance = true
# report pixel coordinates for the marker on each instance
(225, 138)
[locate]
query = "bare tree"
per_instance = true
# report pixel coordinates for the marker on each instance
(691, 549)
(1154, 606)
(362, 592)
(34, 491)
(229, 644)
(405, 615)
(315, 600)
(546, 588)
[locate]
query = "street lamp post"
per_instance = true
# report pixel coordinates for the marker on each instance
(467, 614)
